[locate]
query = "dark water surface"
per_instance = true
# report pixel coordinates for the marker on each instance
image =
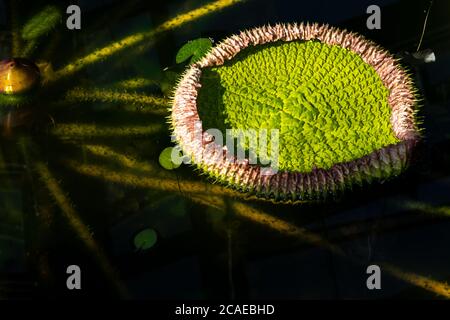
(269, 251)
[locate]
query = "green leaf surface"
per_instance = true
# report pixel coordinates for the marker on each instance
(328, 104)
(145, 239)
(194, 49)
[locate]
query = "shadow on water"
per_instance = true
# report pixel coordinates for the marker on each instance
(211, 245)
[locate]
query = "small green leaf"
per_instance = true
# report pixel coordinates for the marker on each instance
(167, 161)
(195, 49)
(145, 239)
(41, 23)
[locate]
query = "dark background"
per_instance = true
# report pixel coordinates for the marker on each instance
(192, 256)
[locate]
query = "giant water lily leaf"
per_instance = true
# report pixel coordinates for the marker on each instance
(342, 108)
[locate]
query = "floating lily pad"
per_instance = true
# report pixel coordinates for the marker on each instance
(145, 239)
(342, 108)
(167, 159)
(195, 49)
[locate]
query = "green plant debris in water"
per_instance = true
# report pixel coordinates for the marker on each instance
(145, 239)
(194, 49)
(42, 23)
(328, 104)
